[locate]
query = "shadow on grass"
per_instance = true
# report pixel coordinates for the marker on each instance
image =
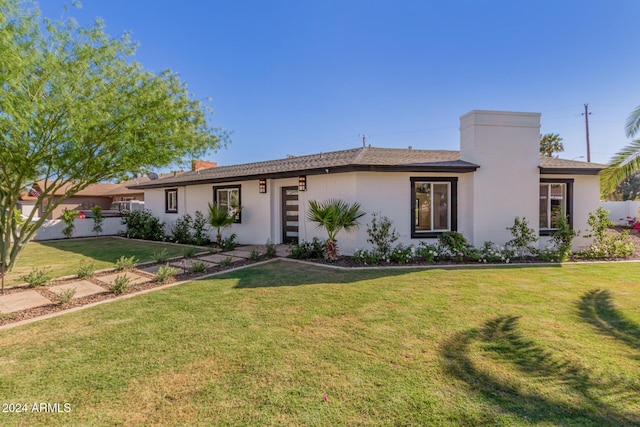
(286, 273)
(109, 249)
(503, 343)
(292, 273)
(596, 308)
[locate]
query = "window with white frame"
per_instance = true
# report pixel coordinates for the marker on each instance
(434, 206)
(229, 197)
(555, 201)
(171, 200)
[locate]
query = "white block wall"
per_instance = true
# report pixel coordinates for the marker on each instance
(52, 229)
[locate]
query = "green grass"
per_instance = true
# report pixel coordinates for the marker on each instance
(62, 257)
(263, 346)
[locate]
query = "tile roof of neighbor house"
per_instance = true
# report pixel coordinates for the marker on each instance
(356, 159)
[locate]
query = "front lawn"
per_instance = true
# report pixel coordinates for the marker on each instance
(61, 257)
(554, 345)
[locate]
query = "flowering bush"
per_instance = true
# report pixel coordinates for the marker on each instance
(427, 252)
(490, 252)
(402, 254)
(366, 257)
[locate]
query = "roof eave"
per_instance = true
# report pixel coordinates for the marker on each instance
(316, 171)
(569, 171)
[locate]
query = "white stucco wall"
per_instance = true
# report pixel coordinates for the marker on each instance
(506, 146)
(52, 229)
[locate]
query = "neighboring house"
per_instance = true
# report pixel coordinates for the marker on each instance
(497, 175)
(94, 194)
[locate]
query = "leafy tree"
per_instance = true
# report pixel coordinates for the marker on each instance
(221, 217)
(75, 109)
(550, 143)
(334, 215)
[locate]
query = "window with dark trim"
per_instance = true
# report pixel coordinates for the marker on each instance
(171, 200)
(229, 196)
(556, 199)
(434, 206)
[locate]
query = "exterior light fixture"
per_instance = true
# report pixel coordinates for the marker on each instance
(302, 183)
(262, 185)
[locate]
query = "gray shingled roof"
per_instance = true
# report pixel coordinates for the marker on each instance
(363, 158)
(356, 159)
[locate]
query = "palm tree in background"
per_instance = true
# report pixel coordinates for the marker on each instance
(334, 215)
(550, 143)
(627, 161)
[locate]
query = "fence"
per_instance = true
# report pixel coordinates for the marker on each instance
(619, 211)
(52, 229)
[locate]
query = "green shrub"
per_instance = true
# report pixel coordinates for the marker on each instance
(85, 269)
(161, 256)
(270, 249)
(229, 243)
(65, 296)
(402, 254)
(605, 244)
(166, 273)
(523, 238)
(69, 216)
(124, 263)
(255, 255)
(366, 257)
(307, 250)
(36, 277)
(380, 234)
(492, 253)
(181, 230)
(120, 284)
(453, 244)
(563, 238)
(427, 252)
(550, 255)
(97, 219)
(190, 252)
(197, 267)
(142, 225)
(226, 262)
(200, 229)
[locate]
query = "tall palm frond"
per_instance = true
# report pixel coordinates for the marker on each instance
(624, 164)
(633, 123)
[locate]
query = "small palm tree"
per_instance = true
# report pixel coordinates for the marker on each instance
(334, 215)
(550, 143)
(220, 217)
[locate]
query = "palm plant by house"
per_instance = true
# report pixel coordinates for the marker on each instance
(627, 161)
(334, 215)
(220, 217)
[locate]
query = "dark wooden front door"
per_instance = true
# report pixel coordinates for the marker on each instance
(290, 221)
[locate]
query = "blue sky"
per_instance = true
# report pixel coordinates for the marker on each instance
(301, 77)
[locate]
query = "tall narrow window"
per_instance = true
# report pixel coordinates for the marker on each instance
(229, 197)
(434, 206)
(555, 201)
(171, 200)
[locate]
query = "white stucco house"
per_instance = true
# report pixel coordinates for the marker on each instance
(496, 175)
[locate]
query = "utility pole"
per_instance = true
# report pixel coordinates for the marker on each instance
(586, 124)
(364, 140)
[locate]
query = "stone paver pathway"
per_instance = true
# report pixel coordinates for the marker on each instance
(83, 288)
(21, 301)
(188, 263)
(217, 258)
(134, 279)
